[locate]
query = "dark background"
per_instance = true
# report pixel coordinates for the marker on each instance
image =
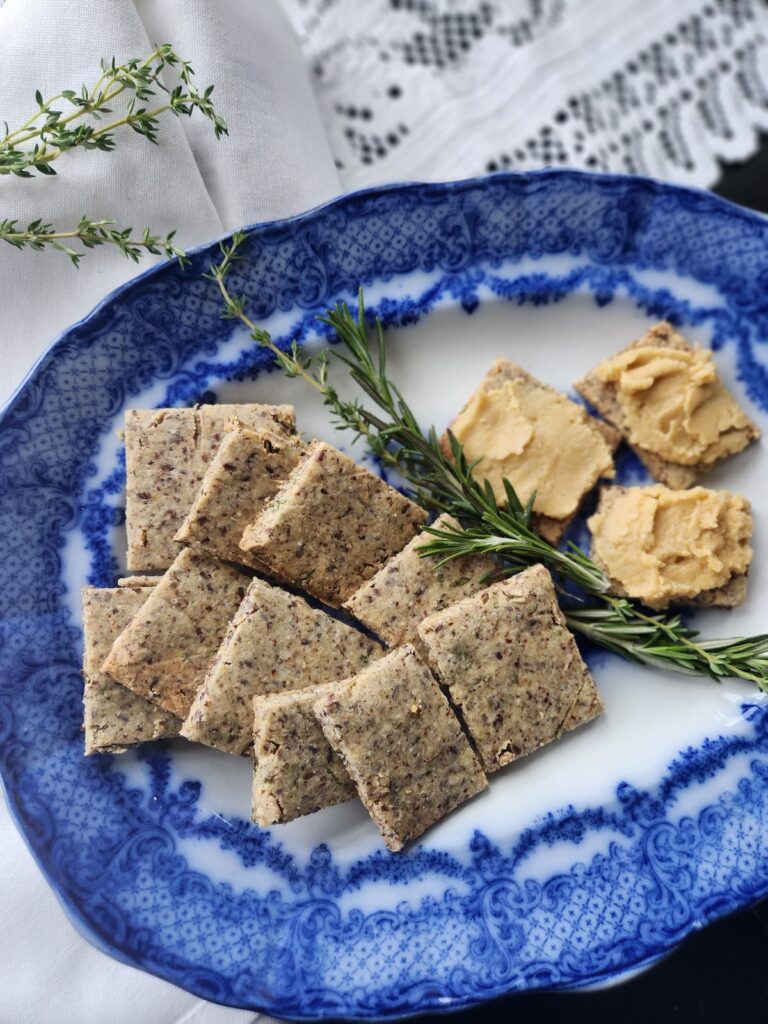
(719, 975)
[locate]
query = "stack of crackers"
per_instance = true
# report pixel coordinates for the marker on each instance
(280, 610)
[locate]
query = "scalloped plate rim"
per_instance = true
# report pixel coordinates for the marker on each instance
(599, 979)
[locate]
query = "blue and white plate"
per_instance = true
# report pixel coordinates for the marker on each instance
(587, 860)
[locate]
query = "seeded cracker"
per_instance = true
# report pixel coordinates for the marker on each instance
(331, 526)
(114, 716)
(409, 587)
(164, 653)
(295, 771)
(275, 642)
(401, 744)
(247, 470)
(138, 581)
(604, 397)
(539, 439)
(511, 667)
(167, 452)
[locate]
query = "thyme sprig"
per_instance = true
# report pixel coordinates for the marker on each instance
(90, 233)
(443, 480)
(73, 120)
(64, 121)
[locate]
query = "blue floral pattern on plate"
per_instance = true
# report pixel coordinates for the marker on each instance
(315, 940)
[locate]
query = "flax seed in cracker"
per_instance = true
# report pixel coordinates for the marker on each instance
(114, 717)
(511, 667)
(167, 452)
(295, 771)
(409, 587)
(164, 653)
(401, 745)
(248, 469)
(276, 642)
(331, 526)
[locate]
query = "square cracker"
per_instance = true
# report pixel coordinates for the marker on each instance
(603, 397)
(511, 667)
(138, 581)
(548, 527)
(164, 653)
(332, 525)
(167, 452)
(248, 469)
(295, 771)
(730, 595)
(401, 745)
(275, 642)
(114, 717)
(409, 587)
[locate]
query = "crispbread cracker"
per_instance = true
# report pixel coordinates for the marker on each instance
(275, 642)
(409, 587)
(295, 771)
(167, 452)
(550, 528)
(730, 595)
(164, 653)
(511, 667)
(138, 581)
(401, 745)
(114, 717)
(331, 526)
(248, 469)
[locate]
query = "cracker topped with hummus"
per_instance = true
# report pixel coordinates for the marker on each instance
(541, 441)
(665, 397)
(665, 547)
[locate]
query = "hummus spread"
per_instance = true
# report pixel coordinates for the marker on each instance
(674, 404)
(537, 438)
(661, 545)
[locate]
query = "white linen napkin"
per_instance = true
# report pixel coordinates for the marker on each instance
(275, 162)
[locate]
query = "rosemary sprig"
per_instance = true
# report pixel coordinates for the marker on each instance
(54, 130)
(90, 234)
(443, 480)
(664, 641)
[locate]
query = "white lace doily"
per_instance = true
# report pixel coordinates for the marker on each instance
(435, 89)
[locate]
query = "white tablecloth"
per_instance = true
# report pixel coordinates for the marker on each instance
(405, 90)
